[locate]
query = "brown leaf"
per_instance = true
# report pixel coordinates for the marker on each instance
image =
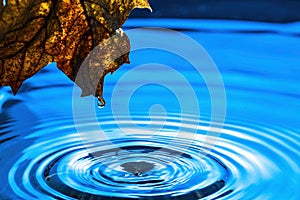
(37, 32)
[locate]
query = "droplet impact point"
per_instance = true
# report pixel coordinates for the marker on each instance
(101, 102)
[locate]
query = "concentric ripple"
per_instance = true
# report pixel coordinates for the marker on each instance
(243, 164)
(43, 155)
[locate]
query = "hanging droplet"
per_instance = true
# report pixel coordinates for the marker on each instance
(101, 102)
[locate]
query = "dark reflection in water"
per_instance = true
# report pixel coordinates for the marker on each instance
(15, 123)
(138, 168)
(277, 11)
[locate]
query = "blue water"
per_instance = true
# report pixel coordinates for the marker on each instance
(156, 143)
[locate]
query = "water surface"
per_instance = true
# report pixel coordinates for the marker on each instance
(48, 152)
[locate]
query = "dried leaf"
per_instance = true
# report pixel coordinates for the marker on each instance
(37, 32)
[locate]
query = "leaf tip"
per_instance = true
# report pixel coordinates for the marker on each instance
(142, 4)
(15, 87)
(84, 93)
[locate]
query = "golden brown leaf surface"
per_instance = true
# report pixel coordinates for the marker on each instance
(34, 33)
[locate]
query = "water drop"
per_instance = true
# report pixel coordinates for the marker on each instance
(101, 102)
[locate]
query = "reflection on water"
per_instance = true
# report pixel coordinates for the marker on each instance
(43, 157)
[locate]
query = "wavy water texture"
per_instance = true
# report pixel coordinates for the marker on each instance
(46, 154)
